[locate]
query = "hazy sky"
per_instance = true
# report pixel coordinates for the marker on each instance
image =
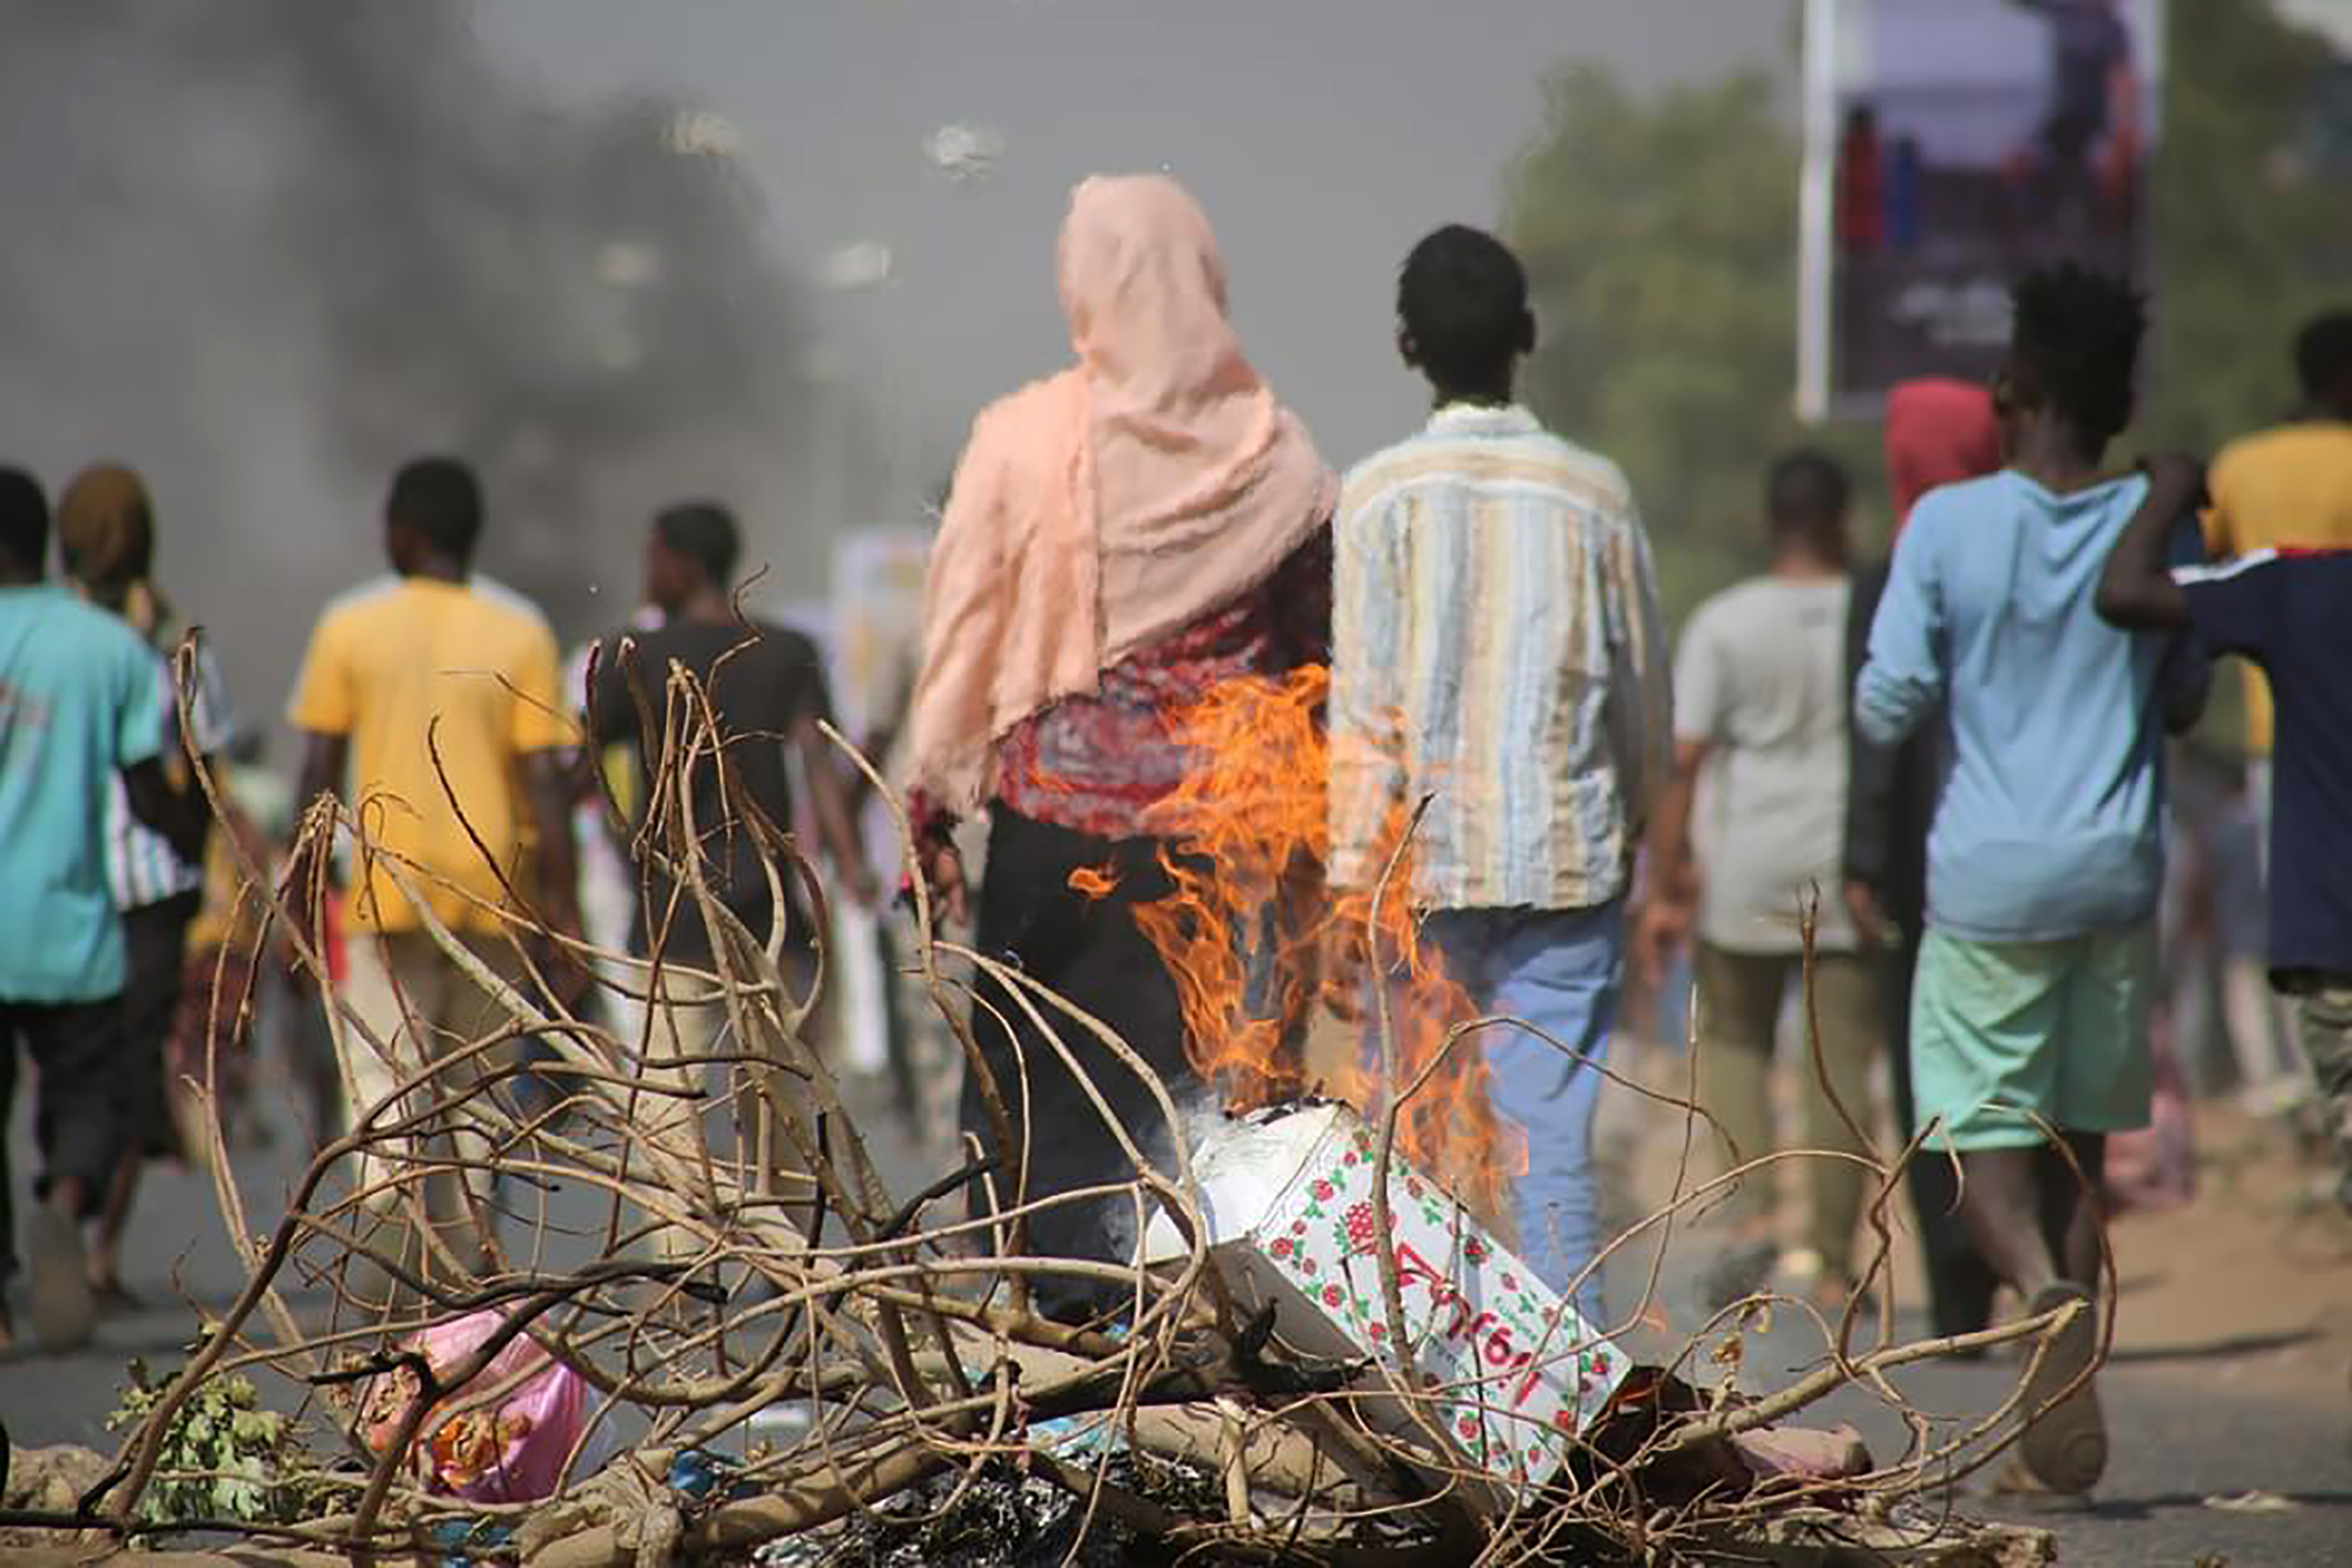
(1323, 136)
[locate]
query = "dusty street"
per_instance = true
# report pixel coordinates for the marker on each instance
(2228, 1397)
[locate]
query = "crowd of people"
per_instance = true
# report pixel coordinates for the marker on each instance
(1964, 748)
(1930, 794)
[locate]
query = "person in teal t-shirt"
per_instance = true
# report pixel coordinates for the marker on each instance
(78, 703)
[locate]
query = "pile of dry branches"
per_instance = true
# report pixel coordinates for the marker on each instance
(749, 1255)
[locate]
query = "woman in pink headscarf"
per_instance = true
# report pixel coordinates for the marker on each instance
(1121, 538)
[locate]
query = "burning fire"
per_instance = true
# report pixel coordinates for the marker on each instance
(1250, 929)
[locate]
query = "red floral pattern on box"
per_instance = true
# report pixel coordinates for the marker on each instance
(1509, 1367)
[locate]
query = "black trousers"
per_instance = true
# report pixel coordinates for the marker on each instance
(77, 1047)
(1091, 952)
(156, 938)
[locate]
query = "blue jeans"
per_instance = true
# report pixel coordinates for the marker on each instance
(1558, 970)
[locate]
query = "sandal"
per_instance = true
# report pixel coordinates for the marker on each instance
(2065, 1444)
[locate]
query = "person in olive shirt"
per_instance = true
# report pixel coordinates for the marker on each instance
(1752, 819)
(766, 689)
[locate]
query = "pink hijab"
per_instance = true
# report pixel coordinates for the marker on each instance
(1113, 503)
(1939, 431)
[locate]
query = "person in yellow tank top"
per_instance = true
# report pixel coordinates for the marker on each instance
(2290, 487)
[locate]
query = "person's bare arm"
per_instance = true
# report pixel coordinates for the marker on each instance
(830, 804)
(1670, 893)
(324, 758)
(2137, 591)
(180, 816)
(939, 863)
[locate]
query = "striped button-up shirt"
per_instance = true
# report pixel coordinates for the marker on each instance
(1496, 645)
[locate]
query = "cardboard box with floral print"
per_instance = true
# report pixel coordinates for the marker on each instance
(1504, 1364)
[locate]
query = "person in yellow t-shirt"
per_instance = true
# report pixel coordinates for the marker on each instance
(2290, 487)
(430, 702)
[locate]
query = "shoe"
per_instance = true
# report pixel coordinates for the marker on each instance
(62, 1310)
(2065, 1446)
(2019, 1487)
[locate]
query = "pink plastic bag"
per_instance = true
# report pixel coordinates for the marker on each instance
(512, 1451)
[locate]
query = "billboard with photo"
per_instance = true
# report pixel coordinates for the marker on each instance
(1953, 145)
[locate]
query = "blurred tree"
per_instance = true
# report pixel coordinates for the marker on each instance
(2254, 237)
(2253, 230)
(1660, 238)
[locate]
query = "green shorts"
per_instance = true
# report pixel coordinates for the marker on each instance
(2058, 1029)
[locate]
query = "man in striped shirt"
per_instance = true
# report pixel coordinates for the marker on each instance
(1497, 647)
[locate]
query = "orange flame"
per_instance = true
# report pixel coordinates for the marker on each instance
(1249, 931)
(1091, 884)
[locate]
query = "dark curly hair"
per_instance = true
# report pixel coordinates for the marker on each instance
(2074, 343)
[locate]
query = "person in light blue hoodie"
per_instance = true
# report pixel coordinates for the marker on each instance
(2045, 855)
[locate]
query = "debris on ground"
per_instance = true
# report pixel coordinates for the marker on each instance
(1325, 1350)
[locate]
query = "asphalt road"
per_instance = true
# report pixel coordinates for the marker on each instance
(2179, 1442)
(2182, 1434)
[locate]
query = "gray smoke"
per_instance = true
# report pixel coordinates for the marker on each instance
(264, 250)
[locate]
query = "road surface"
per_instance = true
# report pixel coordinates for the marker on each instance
(2231, 1379)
